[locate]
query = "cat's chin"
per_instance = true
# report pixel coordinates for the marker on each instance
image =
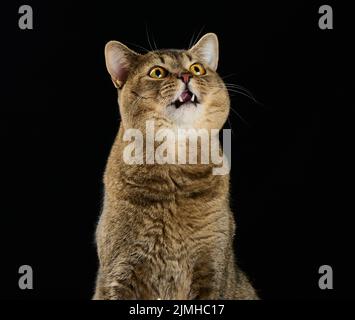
(186, 115)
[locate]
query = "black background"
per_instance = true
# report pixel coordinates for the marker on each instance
(290, 162)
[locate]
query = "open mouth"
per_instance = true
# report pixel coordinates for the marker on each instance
(186, 97)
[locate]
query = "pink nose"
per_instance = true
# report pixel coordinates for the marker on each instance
(185, 77)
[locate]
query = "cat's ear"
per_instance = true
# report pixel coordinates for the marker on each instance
(207, 49)
(119, 60)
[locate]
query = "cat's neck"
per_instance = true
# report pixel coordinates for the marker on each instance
(161, 182)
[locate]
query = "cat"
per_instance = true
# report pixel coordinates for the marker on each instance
(166, 230)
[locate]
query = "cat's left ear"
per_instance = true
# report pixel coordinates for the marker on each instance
(207, 49)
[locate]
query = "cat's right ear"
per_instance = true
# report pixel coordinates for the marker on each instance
(119, 60)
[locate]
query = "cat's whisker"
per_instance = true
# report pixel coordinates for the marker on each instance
(228, 75)
(197, 37)
(191, 40)
(154, 43)
(235, 86)
(238, 89)
(242, 93)
(241, 90)
(138, 46)
(148, 38)
(248, 93)
(232, 85)
(241, 118)
(235, 90)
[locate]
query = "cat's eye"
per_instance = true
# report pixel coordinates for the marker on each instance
(158, 73)
(197, 69)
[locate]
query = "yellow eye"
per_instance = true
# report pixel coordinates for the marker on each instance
(197, 69)
(158, 73)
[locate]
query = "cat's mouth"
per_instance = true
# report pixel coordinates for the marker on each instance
(185, 97)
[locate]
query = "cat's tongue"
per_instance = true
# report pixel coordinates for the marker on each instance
(185, 96)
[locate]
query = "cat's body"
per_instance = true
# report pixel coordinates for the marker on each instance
(166, 231)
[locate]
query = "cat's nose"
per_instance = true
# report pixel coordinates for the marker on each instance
(185, 77)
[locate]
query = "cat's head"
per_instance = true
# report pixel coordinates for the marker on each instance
(176, 88)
